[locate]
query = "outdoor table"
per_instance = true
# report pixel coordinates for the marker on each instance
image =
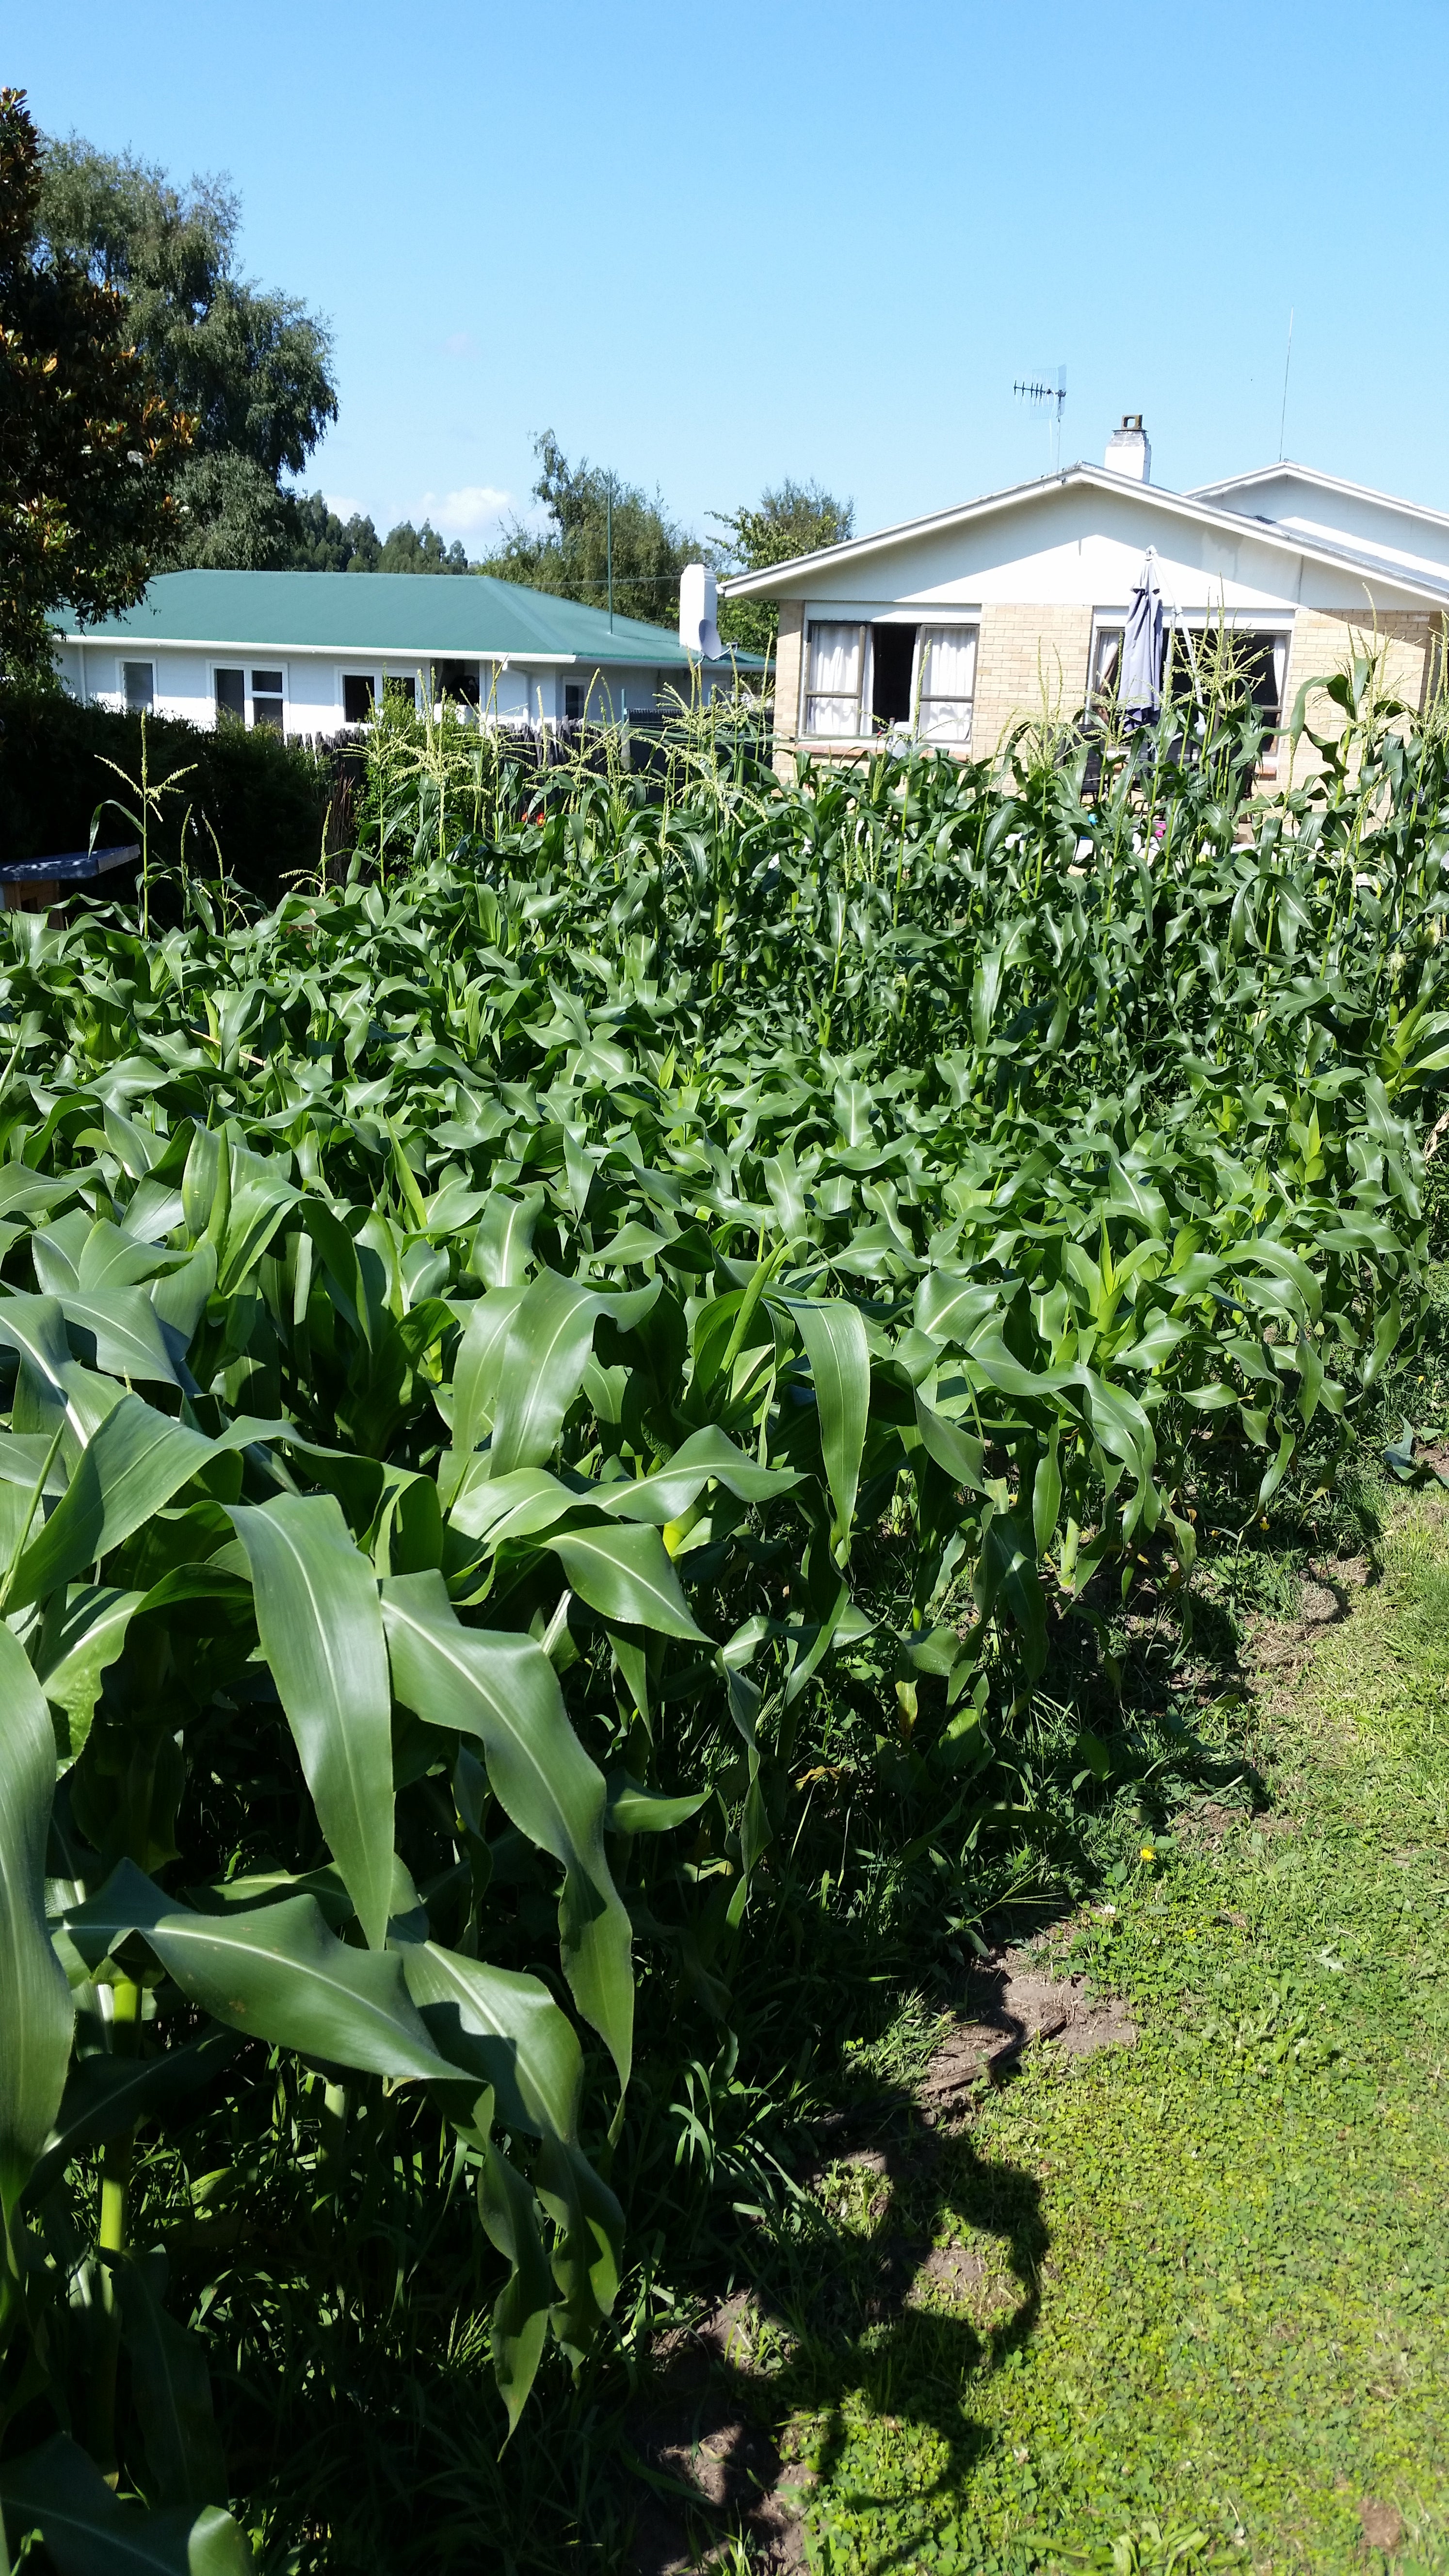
(35, 885)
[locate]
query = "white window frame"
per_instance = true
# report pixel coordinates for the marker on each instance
(1277, 622)
(134, 662)
(212, 669)
(598, 706)
(868, 614)
(375, 680)
(271, 695)
(919, 694)
(1105, 622)
(246, 667)
(839, 617)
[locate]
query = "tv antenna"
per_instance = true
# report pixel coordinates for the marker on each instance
(1048, 397)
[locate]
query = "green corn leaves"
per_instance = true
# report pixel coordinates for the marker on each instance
(173, 2391)
(625, 1574)
(506, 2030)
(502, 1690)
(35, 2008)
(839, 1356)
(321, 1632)
(60, 2493)
(273, 1971)
(531, 1394)
(543, 1361)
(133, 1465)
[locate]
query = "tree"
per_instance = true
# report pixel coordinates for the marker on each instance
(794, 519)
(588, 507)
(410, 549)
(325, 543)
(87, 446)
(252, 369)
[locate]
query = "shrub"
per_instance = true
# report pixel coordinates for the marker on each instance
(265, 799)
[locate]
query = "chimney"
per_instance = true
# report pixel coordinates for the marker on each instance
(1129, 450)
(698, 595)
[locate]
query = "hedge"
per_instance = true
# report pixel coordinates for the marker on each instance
(266, 800)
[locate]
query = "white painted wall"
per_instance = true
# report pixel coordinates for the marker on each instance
(1081, 546)
(1394, 530)
(184, 683)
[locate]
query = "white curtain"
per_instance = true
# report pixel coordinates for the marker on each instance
(1109, 661)
(948, 682)
(833, 694)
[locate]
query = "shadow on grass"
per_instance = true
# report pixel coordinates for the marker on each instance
(852, 2308)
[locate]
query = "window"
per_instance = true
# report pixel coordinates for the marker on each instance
(457, 680)
(948, 683)
(574, 696)
(231, 696)
(267, 700)
(892, 666)
(1106, 669)
(833, 677)
(138, 685)
(1223, 666)
(357, 697)
(400, 685)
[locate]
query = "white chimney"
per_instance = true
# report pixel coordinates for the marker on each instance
(1129, 450)
(698, 598)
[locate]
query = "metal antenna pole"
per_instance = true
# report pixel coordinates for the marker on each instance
(1052, 398)
(1287, 363)
(609, 545)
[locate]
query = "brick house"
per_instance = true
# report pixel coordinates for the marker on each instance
(958, 626)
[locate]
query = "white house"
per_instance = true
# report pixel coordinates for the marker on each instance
(309, 652)
(960, 625)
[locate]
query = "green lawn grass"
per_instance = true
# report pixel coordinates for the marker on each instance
(1189, 2302)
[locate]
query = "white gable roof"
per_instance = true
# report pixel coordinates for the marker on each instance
(1105, 519)
(1372, 524)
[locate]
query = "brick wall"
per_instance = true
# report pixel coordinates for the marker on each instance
(787, 683)
(1325, 640)
(1033, 659)
(1030, 660)
(1028, 657)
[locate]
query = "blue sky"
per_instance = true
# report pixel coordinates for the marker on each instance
(711, 247)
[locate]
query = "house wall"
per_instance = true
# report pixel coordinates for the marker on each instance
(185, 686)
(1036, 606)
(1031, 661)
(1395, 530)
(1325, 640)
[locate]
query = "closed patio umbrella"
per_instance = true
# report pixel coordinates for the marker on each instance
(1139, 693)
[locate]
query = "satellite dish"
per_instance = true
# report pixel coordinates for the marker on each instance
(698, 607)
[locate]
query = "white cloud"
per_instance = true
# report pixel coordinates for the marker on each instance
(461, 344)
(343, 504)
(463, 514)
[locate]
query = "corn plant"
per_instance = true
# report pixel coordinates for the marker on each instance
(490, 1361)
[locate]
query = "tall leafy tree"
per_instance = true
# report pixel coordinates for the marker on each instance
(251, 367)
(793, 519)
(410, 549)
(326, 543)
(593, 514)
(88, 447)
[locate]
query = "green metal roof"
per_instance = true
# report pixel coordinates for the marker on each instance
(464, 615)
